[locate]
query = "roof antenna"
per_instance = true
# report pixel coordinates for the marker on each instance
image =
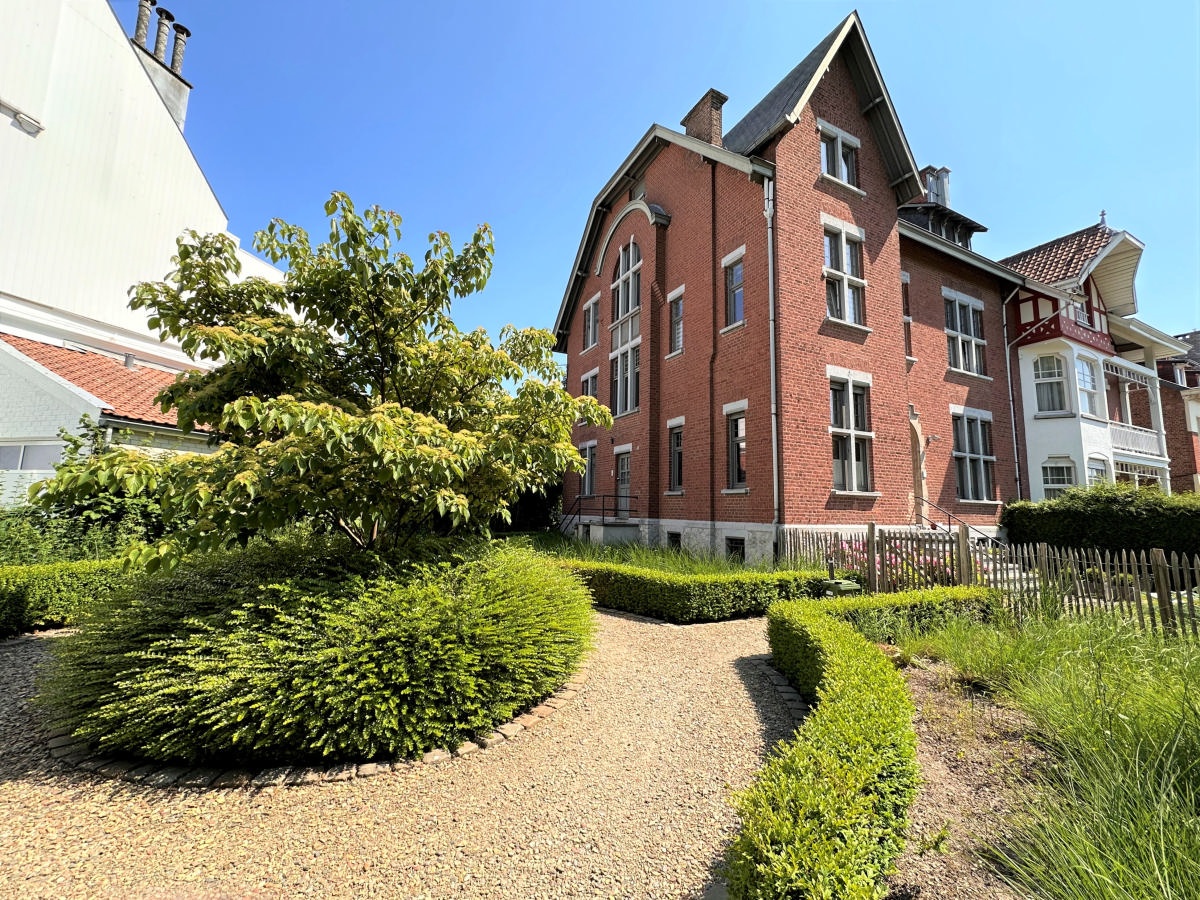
(1103, 213)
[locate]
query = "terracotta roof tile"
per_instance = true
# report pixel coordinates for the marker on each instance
(127, 393)
(1062, 258)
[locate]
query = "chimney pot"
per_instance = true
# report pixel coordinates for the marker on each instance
(160, 43)
(704, 120)
(181, 36)
(143, 21)
(130, 361)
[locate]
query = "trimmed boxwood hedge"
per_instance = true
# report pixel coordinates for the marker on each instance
(53, 594)
(1110, 517)
(827, 815)
(689, 598)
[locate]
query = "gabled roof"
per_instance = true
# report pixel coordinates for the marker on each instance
(782, 106)
(651, 144)
(125, 393)
(1064, 258)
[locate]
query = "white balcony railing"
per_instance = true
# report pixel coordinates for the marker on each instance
(1133, 439)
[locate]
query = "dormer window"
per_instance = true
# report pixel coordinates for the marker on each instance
(839, 154)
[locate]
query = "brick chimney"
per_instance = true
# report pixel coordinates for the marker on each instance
(704, 121)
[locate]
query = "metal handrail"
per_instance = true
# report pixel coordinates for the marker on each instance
(952, 517)
(607, 512)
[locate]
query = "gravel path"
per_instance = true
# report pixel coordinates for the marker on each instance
(622, 793)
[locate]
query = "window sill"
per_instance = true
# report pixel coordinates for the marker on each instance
(980, 502)
(1057, 414)
(674, 354)
(741, 490)
(872, 494)
(1093, 418)
(678, 493)
(587, 350)
(629, 412)
(853, 326)
(950, 370)
(910, 359)
(740, 323)
(844, 185)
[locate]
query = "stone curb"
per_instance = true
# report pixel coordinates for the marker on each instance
(77, 754)
(797, 705)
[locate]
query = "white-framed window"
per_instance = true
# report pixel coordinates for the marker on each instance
(625, 357)
(1057, 477)
(1077, 311)
(850, 430)
(839, 153)
(1049, 384)
(589, 384)
(675, 458)
(587, 485)
(906, 315)
(966, 347)
(675, 324)
(735, 287)
(736, 427)
(591, 323)
(30, 457)
(1097, 470)
(974, 455)
(1089, 386)
(845, 286)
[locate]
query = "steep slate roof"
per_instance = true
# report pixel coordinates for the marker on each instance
(782, 106)
(772, 110)
(127, 393)
(1061, 259)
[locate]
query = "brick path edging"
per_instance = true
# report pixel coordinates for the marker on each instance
(78, 754)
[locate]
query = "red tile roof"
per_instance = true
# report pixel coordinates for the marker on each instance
(1061, 258)
(126, 393)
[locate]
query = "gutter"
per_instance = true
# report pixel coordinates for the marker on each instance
(769, 214)
(1012, 404)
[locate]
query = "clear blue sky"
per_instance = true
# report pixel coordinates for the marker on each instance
(516, 114)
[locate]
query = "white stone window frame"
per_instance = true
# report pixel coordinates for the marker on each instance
(591, 323)
(593, 376)
(852, 379)
(1098, 470)
(734, 411)
(674, 301)
(1060, 378)
(732, 259)
(986, 461)
(674, 457)
(847, 233)
(842, 140)
(626, 285)
(625, 332)
(1053, 489)
(963, 340)
(1095, 393)
(906, 318)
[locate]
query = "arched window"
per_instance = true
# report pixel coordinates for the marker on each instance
(627, 281)
(625, 358)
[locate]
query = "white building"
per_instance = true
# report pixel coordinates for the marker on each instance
(1087, 369)
(96, 183)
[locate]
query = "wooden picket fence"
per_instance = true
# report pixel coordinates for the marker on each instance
(1157, 591)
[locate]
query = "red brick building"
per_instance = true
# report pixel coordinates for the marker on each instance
(789, 326)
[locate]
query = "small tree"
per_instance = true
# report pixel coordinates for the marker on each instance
(344, 395)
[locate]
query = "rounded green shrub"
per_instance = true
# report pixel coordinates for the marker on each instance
(322, 667)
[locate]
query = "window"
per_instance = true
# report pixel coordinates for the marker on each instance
(965, 344)
(839, 154)
(850, 428)
(1077, 311)
(30, 457)
(1089, 390)
(675, 458)
(1097, 471)
(844, 284)
(588, 481)
(735, 548)
(675, 540)
(735, 310)
(588, 384)
(625, 357)
(591, 323)
(974, 457)
(906, 318)
(737, 451)
(1049, 384)
(1056, 478)
(675, 310)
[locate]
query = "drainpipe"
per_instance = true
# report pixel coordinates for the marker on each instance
(1012, 404)
(769, 213)
(712, 361)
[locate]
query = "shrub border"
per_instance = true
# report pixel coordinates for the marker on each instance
(70, 751)
(828, 813)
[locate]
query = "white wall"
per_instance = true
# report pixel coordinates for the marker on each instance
(92, 204)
